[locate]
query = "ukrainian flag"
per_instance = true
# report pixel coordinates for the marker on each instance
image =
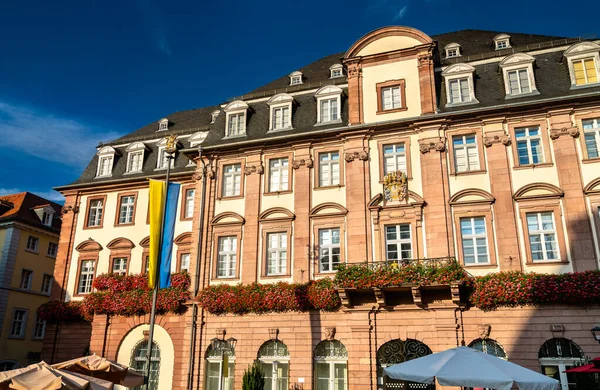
(161, 250)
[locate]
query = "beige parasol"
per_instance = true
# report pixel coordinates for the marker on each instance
(99, 367)
(41, 376)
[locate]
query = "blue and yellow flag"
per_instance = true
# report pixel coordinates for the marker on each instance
(160, 258)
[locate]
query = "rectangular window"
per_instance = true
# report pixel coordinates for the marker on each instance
(474, 240)
(518, 82)
(329, 110)
(188, 211)
(26, 277)
(237, 124)
(86, 277)
(52, 249)
(336, 73)
(40, 328)
(163, 159)
(390, 98)
(398, 242)
(104, 166)
(529, 145)
(451, 53)
(119, 266)
(227, 258)
(19, 323)
(32, 243)
(591, 132)
(276, 253)
(47, 219)
(394, 158)
(585, 71)
(47, 284)
(329, 249)
(126, 209)
(184, 262)
(146, 264)
(329, 169)
(281, 118)
(543, 243)
(232, 179)
(95, 212)
(459, 91)
(135, 162)
(278, 174)
(466, 155)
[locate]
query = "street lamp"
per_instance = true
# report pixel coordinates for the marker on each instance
(596, 333)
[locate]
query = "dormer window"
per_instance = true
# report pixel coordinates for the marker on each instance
(106, 157)
(47, 218)
(502, 41)
(236, 119)
(336, 70)
(213, 116)
(281, 112)
(452, 50)
(295, 78)
(584, 64)
(459, 85)
(517, 70)
(162, 159)
(328, 104)
(135, 157)
(45, 214)
(196, 140)
(163, 124)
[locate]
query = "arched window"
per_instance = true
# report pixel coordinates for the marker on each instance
(220, 366)
(7, 365)
(489, 346)
(274, 358)
(138, 362)
(558, 354)
(331, 366)
(398, 351)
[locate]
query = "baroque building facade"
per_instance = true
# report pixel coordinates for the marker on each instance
(497, 139)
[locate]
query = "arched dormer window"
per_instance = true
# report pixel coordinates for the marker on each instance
(460, 89)
(452, 50)
(281, 112)
(163, 124)
(296, 78)
(336, 70)
(236, 119)
(502, 41)
(106, 157)
(329, 104)
(519, 80)
(135, 157)
(161, 160)
(584, 64)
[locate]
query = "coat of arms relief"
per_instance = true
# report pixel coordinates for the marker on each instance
(395, 186)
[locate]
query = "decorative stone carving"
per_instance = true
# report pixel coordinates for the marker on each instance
(361, 155)
(197, 176)
(496, 139)
(344, 297)
(273, 333)
(210, 173)
(308, 163)
(69, 209)
(427, 146)
(395, 186)
(330, 333)
(354, 69)
(484, 330)
(249, 169)
(572, 131)
(424, 58)
(557, 330)
(379, 296)
(455, 291)
(416, 294)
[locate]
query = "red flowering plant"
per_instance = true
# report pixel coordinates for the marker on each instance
(55, 311)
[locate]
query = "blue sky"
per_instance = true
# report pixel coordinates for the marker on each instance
(73, 73)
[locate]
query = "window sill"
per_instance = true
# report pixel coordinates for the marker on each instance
(103, 176)
(235, 136)
(224, 279)
(589, 85)
(381, 112)
(15, 337)
(325, 273)
(590, 160)
(92, 227)
(452, 105)
(51, 257)
(278, 276)
(328, 187)
(32, 251)
(272, 193)
(279, 130)
(521, 95)
(328, 122)
(162, 169)
(230, 197)
(133, 172)
(466, 173)
(546, 262)
(480, 266)
(124, 224)
(80, 295)
(531, 166)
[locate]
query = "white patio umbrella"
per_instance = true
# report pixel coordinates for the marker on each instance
(464, 366)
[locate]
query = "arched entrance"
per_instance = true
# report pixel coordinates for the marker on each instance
(398, 351)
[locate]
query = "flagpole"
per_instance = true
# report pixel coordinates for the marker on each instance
(169, 151)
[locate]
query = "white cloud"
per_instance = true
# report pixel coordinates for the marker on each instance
(50, 195)
(40, 134)
(401, 13)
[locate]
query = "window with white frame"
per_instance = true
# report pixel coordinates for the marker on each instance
(328, 104)
(52, 249)
(40, 328)
(188, 211)
(236, 124)
(95, 212)
(184, 262)
(274, 359)
(163, 158)
(335, 71)
(543, 243)
(466, 155)
(86, 277)
(459, 90)
(329, 249)
(529, 145)
(119, 266)
(501, 41)
(135, 161)
(501, 44)
(558, 355)
(227, 257)
(329, 169)
(281, 112)
(126, 209)
(517, 71)
(591, 133)
(47, 218)
(585, 71)
(584, 63)
(19, 323)
(391, 98)
(32, 244)
(276, 253)
(232, 180)
(26, 278)
(105, 166)
(47, 283)
(295, 78)
(329, 110)
(139, 362)
(278, 174)
(331, 366)
(163, 124)
(459, 84)
(398, 242)
(452, 50)
(281, 118)
(215, 361)
(474, 240)
(518, 82)
(394, 158)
